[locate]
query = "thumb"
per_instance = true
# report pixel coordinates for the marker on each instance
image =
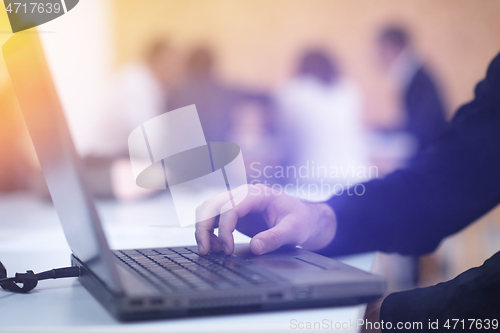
(272, 239)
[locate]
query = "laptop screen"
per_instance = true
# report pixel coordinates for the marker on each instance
(44, 117)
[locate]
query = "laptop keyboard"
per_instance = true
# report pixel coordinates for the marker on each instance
(182, 269)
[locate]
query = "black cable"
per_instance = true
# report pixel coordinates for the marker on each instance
(30, 279)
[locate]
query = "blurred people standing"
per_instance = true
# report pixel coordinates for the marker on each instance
(322, 113)
(214, 100)
(424, 110)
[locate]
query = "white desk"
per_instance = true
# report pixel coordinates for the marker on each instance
(31, 238)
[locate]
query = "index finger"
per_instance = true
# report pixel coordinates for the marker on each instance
(204, 228)
(213, 207)
(253, 203)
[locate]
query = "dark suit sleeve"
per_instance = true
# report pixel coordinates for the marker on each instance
(425, 111)
(446, 187)
(473, 295)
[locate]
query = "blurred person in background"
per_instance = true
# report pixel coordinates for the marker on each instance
(322, 111)
(140, 92)
(421, 99)
(214, 100)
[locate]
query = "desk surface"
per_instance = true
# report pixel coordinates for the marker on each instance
(31, 238)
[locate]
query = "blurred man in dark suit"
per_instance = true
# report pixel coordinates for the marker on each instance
(425, 115)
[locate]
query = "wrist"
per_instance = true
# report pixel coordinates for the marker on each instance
(324, 226)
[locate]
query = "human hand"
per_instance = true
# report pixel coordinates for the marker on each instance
(372, 315)
(270, 217)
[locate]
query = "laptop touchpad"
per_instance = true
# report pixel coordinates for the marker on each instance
(288, 259)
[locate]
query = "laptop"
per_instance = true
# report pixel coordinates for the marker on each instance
(163, 282)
